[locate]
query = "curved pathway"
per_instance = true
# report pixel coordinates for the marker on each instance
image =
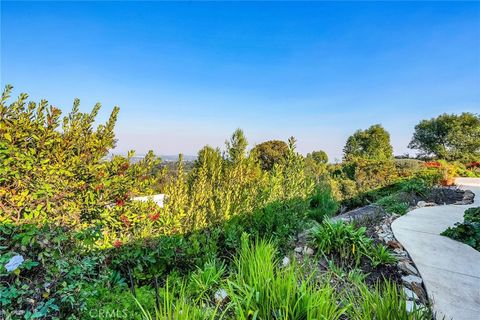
(450, 269)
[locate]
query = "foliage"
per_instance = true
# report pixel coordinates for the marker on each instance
(53, 169)
(350, 243)
(320, 156)
(316, 164)
(471, 170)
(236, 146)
(66, 207)
(270, 153)
(322, 204)
(55, 276)
(449, 136)
(371, 174)
(408, 167)
(393, 205)
(379, 254)
(371, 144)
(259, 289)
(382, 302)
(468, 231)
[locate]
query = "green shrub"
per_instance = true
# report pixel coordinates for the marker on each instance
(343, 239)
(414, 186)
(204, 281)
(467, 232)
(393, 205)
(408, 167)
(379, 254)
(322, 204)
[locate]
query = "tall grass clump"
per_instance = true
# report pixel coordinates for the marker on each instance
(384, 301)
(175, 303)
(260, 289)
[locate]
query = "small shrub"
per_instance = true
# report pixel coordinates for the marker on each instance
(322, 204)
(467, 232)
(391, 204)
(204, 281)
(381, 255)
(343, 239)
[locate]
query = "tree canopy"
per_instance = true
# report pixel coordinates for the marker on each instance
(319, 157)
(448, 136)
(270, 153)
(370, 144)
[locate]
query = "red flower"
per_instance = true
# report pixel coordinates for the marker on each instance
(154, 216)
(124, 166)
(117, 243)
(120, 202)
(125, 220)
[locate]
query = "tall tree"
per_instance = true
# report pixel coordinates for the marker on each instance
(370, 144)
(237, 146)
(270, 153)
(448, 136)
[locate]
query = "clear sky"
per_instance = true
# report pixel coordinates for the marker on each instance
(187, 74)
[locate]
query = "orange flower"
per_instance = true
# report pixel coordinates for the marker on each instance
(117, 243)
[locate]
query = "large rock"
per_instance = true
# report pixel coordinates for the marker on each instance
(451, 195)
(370, 212)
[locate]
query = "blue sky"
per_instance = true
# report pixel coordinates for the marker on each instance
(187, 74)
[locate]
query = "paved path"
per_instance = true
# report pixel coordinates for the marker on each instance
(450, 269)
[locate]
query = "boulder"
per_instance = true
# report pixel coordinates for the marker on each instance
(407, 268)
(412, 280)
(452, 195)
(369, 212)
(410, 294)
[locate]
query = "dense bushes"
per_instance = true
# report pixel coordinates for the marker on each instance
(469, 230)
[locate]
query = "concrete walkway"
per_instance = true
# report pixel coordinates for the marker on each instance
(450, 269)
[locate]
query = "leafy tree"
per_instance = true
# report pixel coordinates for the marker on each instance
(370, 144)
(319, 157)
(236, 146)
(316, 163)
(448, 136)
(271, 152)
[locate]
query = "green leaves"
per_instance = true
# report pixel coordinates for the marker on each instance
(449, 136)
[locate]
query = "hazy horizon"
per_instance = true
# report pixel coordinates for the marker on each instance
(188, 74)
